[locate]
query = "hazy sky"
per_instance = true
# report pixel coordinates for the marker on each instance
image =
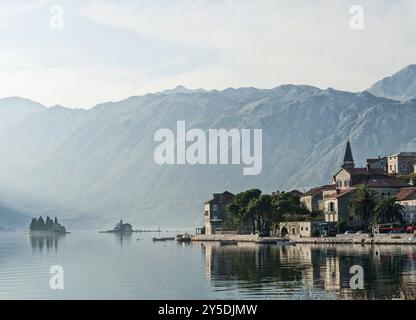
(109, 50)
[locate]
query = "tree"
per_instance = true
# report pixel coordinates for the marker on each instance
(341, 226)
(388, 210)
(260, 210)
(239, 208)
(33, 224)
(362, 204)
(48, 223)
(288, 206)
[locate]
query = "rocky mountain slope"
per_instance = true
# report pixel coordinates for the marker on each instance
(400, 86)
(93, 167)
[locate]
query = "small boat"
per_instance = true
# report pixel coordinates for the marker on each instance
(183, 237)
(163, 239)
(228, 242)
(285, 242)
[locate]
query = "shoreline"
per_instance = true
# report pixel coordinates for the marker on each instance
(365, 239)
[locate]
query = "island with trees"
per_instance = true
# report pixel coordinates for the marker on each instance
(49, 226)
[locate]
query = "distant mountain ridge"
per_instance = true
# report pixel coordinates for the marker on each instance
(96, 166)
(400, 86)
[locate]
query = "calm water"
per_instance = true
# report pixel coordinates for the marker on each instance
(107, 266)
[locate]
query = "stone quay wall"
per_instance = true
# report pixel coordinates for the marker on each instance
(364, 239)
(220, 237)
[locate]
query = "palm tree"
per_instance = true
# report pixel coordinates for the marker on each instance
(388, 210)
(362, 204)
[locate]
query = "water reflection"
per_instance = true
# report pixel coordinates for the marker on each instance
(48, 242)
(312, 271)
(123, 238)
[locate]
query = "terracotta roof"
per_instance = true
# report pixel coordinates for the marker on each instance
(217, 197)
(329, 187)
(385, 182)
(340, 193)
(403, 154)
(312, 192)
(369, 171)
(406, 194)
(370, 160)
(315, 190)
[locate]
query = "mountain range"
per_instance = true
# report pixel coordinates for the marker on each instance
(93, 167)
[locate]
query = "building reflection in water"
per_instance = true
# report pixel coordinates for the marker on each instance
(48, 242)
(123, 237)
(318, 270)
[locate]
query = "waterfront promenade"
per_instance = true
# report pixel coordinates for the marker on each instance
(365, 239)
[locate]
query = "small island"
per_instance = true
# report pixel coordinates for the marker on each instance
(121, 228)
(40, 226)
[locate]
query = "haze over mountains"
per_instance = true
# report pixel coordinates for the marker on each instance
(92, 167)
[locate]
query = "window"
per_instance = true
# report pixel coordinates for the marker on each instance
(215, 207)
(404, 166)
(346, 183)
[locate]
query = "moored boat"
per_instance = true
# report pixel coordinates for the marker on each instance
(183, 237)
(163, 239)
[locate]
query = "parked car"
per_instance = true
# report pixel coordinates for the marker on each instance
(389, 228)
(396, 231)
(410, 229)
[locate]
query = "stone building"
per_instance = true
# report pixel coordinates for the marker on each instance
(348, 178)
(377, 163)
(407, 198)
(304, 229)
(401, 163)
(216, 211)
(313, 199)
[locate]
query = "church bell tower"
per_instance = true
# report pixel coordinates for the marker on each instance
(348, 159)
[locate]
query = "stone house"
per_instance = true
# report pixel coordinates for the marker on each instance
(401, 163)
(377, 163)
(216, 211)
(407, 198)
(304, 229)
(336, 205)
(347, 179)
(313, 199)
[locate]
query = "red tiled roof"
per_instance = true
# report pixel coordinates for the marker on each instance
(374, 160)
(357, 171)
(340, 193)
(385, 182)
(406, 194)
(315, 190)
(312, 191)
